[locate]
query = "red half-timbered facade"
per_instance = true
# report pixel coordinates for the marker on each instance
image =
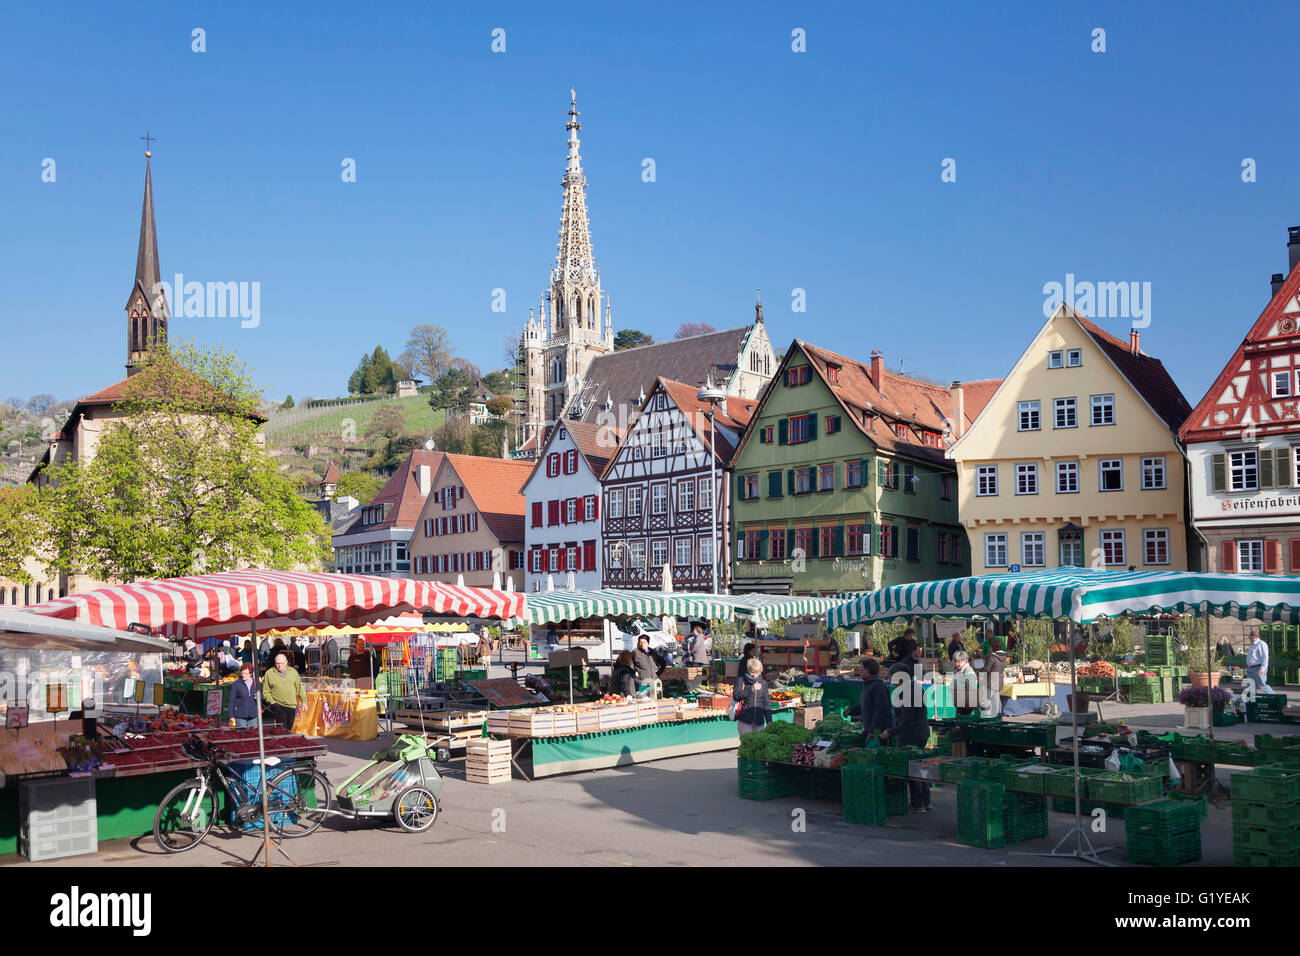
(659, 497)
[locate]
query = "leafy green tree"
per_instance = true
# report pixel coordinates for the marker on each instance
(181, 484)
(19, 532)
(497, 382)
(630, 338)
(486, 438)
(357, 380)
(452, 390)
(361, 485)
(288, 402)
(454, 436)
(500, 405)
(428, 352)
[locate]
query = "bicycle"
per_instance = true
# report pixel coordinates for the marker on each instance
(298, 799)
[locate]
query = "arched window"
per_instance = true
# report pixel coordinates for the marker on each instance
(27, 594)
(14, 598)
(4, 595)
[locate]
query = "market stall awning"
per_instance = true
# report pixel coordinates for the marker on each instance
(221, 605)
(1082, 595)
(35, 632)
(569, 604)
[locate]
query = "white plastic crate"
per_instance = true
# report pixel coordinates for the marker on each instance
(43, 832)
(59, 847)
(47, 801)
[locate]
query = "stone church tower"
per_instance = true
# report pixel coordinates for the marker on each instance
(572, 324)
(146, 307)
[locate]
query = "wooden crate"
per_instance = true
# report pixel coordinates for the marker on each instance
(667, 709)
(498, 722)
(485, 746)
(487, 776)
(530, 723)
(457, 720)
(647, 712)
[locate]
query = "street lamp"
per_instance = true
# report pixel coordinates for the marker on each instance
(714, 396)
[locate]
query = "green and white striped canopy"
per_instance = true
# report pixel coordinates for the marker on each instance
(1081, 595)
(565, 604)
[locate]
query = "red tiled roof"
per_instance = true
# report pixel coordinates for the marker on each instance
(738, 413)
(331, 475)
(594, 446)
(402, 491)
(493, 485)
(1147, 375)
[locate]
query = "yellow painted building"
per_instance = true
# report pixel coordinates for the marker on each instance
(1075, 458)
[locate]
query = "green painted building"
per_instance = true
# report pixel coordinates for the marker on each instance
(840, 482)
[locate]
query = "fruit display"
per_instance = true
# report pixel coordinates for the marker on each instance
(132, 754)
(1097, 669)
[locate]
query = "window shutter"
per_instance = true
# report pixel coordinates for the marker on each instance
(1272, 564)
(1282, 470)
(1295, 555)
(783, 431)
(774, 484)
(552, 512)
(762, 436)
(1229, 560)
(762, 546)
(880, 467)
(740, 487)
(867, 532)
(537, 514)
(473, 521)
(740, 544)
(589, 555)
(789, 481)
(812, 427)
(1218, 468)
(814, 542)
(597, 511)
(1265, 468)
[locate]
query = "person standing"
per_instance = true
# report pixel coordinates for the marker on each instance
(900, 648)
(698, 647)
(873, 702)
(243, 697)
(955, 647)
(995, 666)
(246, 652)
(623, 676)
(643, 663)
(282, 690)
(911, 728)
(966, 690)
(299, 651)
(1257, 663)
(362, 665)
(752, 699)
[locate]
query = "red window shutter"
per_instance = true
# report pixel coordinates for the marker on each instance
(1272, 562)
(1295, 554)
(537, 514)
(552, 512)
(1228, 562)
(589, 555)
(597, 512)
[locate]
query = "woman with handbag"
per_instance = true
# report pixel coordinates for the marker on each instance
(751, 705)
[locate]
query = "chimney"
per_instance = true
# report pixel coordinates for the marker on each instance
(1275, 283)
(424, 479)
(877, 369)
(1292, 248)
(1133, 341)
(958, 409)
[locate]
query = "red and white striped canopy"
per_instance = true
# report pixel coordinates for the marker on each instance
(222, 605)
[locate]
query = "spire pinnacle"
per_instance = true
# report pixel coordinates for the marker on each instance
(758, 305)
(147, 272)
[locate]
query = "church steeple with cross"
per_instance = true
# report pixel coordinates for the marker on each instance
(146, 307)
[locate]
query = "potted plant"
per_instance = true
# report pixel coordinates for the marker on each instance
(1192, 653)
(1197, 702)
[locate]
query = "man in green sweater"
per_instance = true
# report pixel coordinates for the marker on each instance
(282, 691)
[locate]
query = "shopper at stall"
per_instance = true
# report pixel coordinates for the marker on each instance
(484, 645)
(955, 647)
(900, 648)
(698, 647)
(1013, 639)
(299, 650)
(243, 697)
(751, 699)
(623, 676)
(282, 691)
(911, 728)
(873, 702)
(995, 666)
(965, 690)
(644, 664)
(1257, 663)
(226, 659)
(330, 656)
(246, 652)
(750, 652)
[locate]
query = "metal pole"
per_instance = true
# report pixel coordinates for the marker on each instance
(1074, 732)
(261, 754)
(713, 494)
(1210, 688)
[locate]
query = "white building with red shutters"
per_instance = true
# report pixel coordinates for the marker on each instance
(562, 506)
(1243, 443)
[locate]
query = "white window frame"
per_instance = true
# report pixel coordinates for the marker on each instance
(1066, 469)
(571, 511)
(686, 495)
(1283, 377)
(1070, 404)
(1159, 537)
(986, 481)
(636, 554)
(1243, 468)
(616, 502)
(995, 547)
(677, 552)
(704, 495)
(1026, 478)
(1153, 466)
(552, 560)
(1073, 358)
(572, 554)
(1033, 410)
(1102, 403)
(588, 507)
(659, 498)
(1075, 545)
(616, 550)
(1255, 545)
(658, 445)
(1111, 536)
(537, 561)
(706, 550)
(1056, 358)
(634, 498)
(655, 559)
(1102, 469)
(1033, 544)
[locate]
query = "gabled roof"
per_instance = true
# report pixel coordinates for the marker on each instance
(738, 413)
(1268, 325)
(1146, 374)
(591, 440)
(623, 376)
(331, 475)
(402, 493)
(899, 398)
(494, 485)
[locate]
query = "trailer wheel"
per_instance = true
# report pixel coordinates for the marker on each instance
(415, 810)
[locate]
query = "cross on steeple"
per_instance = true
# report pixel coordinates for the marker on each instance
(148, 141)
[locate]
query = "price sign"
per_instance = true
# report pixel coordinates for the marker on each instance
(214, 703)
(158, 695)
(16, 717)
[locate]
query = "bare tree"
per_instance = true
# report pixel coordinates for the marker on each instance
(688, 329)
(428, 352)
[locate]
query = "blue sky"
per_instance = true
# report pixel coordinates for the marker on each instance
(817, 171)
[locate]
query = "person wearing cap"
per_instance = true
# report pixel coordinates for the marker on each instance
(698, 647)
(1257, 663)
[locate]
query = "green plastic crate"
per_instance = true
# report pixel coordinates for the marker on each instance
(1271, 785)
(863, 795)
(1025, 779)
(1233, 752)
(980, 822)
(1163, 818)
(1113, 788)
(1061, 783)
(765, 788)
(1198, 801)
(1153, 850)
(1270, 743)
(1066, 805)
(1282, 839)
(1245, 856)
(955, 771)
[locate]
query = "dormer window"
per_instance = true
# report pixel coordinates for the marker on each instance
(833, 373)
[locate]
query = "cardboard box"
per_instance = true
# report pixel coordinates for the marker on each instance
(807, 717)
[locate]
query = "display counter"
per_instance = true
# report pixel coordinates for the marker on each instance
(618, 748)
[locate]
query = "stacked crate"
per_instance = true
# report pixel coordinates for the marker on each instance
(980, 807)
(1266, 817)
(487, 761)
(1163, 833)
(1159, 650)
(869, 797)
(57, 818)
(1267, 708)
(760, 780)
(1024, 816)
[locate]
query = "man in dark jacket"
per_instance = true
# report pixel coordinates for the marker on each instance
(623, 675)
(873, 702)
(755, 703)
(644, 664)
(995, 665)
(900, 648)
(911, 728)
(955, 645)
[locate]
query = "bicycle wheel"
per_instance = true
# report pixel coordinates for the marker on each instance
(295, 799)
(184, 817)
(415, 810)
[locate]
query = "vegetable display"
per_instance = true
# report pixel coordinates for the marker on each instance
(774, 743)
